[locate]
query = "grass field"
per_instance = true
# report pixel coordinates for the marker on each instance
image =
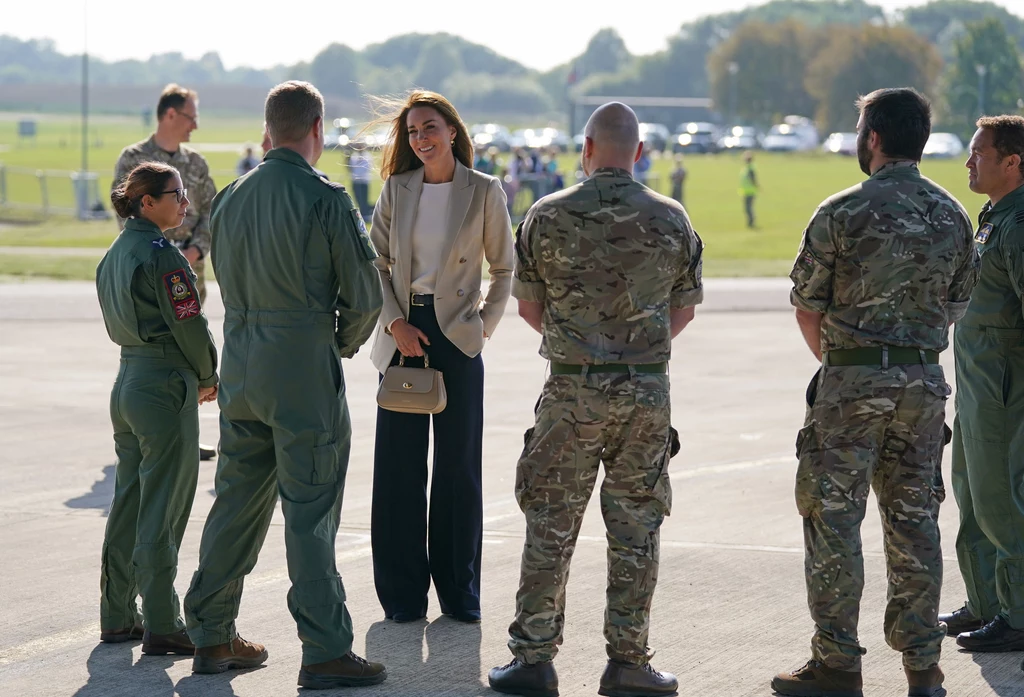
(791, 187)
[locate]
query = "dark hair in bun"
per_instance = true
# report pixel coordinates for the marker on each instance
(148, 178)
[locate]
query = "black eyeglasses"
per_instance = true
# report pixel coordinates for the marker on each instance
(190, 117)
(179, 194)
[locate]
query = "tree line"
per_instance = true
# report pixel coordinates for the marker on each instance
(809, 57)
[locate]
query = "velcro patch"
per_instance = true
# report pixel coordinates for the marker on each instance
(160, 243)
(369, 251)
(182, 294)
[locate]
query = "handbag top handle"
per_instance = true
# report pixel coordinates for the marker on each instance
(426, 360)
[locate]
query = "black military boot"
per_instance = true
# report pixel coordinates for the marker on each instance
(526, 679)
(207, 452)
(632, 680)
(960, 621)
(995, 637)
(816, 679)
(925, 683)
(117, 636)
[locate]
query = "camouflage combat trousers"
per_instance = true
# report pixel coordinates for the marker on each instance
(867, 427)
(580, 423)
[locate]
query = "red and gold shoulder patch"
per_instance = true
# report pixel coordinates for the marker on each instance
(182, 293)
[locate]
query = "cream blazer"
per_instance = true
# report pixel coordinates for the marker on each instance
(478, 228)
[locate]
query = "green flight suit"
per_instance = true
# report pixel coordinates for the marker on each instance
(988, 432)
(151, 308)
(295, 269)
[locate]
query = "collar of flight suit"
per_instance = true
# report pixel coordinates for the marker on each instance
(288, 155)
(611, 172)
(142, 225)
(1014, 199)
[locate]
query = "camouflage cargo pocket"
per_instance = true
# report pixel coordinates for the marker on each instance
(523, 470)
(808, 488)
(658, 480)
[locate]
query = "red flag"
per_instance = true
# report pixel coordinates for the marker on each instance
(573, 76)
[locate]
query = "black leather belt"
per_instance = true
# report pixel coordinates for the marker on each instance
(883, 356)
(421, 300)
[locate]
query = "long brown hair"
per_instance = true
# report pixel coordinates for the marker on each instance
(148, 178)
(399, 156)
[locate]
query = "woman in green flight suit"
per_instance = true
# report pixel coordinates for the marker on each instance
(151, 309)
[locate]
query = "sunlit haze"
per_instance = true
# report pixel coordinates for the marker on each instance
(539, 35)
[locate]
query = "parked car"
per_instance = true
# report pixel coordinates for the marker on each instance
(794, 134)
(654, 136)
(486, 135)
(740, 138)
(695, 136)
(841, 143)
(340, 135)
(943, 145)
(540, 138)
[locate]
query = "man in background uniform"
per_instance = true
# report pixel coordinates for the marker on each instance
(608, 272)
(884, 268)
(177, 115)
(988, 432)
(300, 290)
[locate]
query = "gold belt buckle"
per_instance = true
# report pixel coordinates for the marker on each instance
(414, 303)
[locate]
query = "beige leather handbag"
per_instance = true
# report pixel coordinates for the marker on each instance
(412, 390)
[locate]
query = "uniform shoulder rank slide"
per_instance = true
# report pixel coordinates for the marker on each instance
(984, 232)
(1018, 217)
(182, 294)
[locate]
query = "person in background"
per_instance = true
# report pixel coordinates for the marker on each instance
(360, 166)
(749, 188)
(678, 179)
(247, 163)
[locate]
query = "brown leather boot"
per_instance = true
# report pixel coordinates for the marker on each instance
(237, 654)
(348, 671)
(925, 683)
(162, 644)
(815, 679)
(118, 636)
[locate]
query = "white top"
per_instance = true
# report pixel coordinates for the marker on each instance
(428, 236)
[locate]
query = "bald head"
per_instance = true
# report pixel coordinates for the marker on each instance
(614, 125)
(613, 134)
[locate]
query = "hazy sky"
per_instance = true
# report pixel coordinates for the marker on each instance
(538, 34)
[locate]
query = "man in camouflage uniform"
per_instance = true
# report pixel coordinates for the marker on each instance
(988, 432)
(177, 115)
(884, 268)
(608, 272)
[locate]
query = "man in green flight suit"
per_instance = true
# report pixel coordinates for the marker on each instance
(300, 290)
(988, 432)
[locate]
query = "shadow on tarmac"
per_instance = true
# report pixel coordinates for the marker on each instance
(101, 494)
(451, 666)
(1002, 672)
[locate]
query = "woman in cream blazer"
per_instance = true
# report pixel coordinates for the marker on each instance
(435, 224)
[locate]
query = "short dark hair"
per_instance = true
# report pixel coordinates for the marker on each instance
(291, 110)
(1007, 135)
(173, 97)
(902, 118)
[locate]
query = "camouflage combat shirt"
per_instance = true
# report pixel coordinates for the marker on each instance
(889, 261)
(608, 258)
(195, 176)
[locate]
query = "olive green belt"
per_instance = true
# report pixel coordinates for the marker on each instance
(883, 356)
(572, 369)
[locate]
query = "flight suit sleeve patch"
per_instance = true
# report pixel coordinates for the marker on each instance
(365, 245)
(182, 293)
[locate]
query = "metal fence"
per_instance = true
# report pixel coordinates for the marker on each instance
(49, 192)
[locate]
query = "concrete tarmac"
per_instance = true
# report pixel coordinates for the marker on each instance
(729, 611)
